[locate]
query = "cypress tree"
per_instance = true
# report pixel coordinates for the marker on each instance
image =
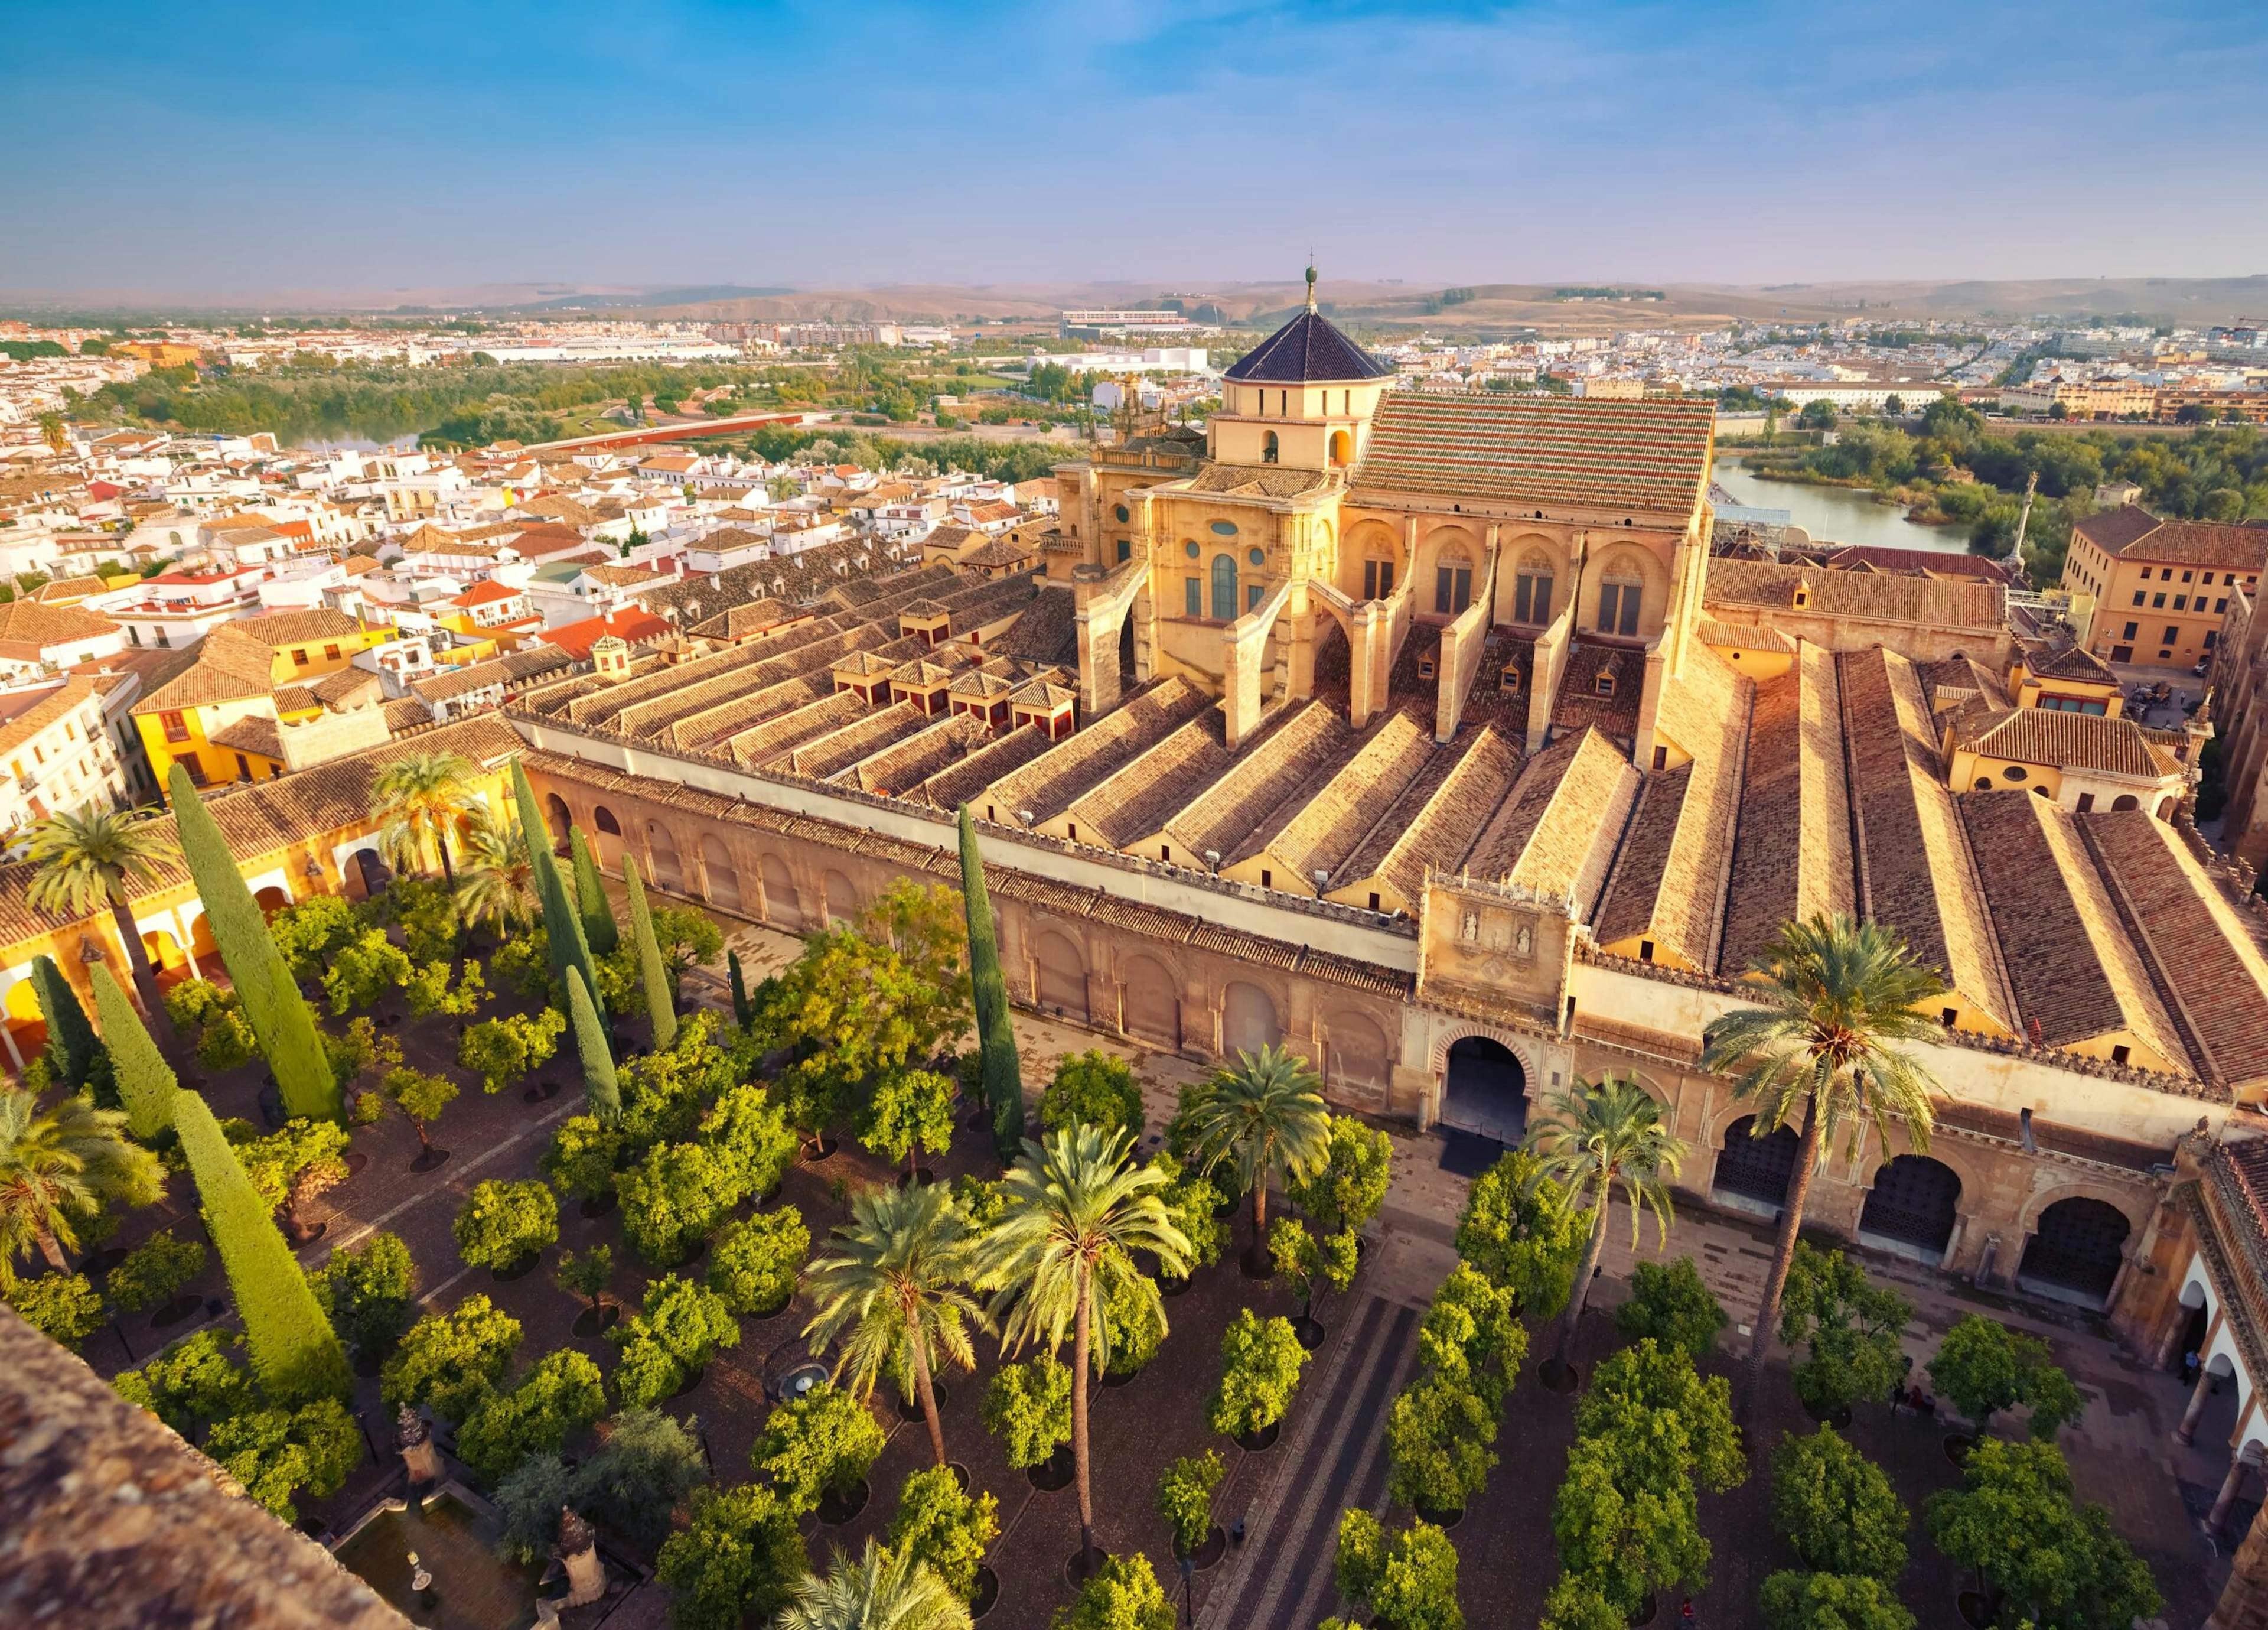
(563, 928)
(296, 1355)
(599, 929)
(601, 1095)
(996, 1038)
(660, 1006)
(278, 1014)
(146, 1084)
(71, 1046)
(739, 989)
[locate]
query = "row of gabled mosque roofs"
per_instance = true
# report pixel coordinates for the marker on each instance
(1821, 789)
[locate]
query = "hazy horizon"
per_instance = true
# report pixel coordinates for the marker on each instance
(280, 157)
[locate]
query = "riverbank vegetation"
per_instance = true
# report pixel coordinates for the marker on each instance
(1953, 470)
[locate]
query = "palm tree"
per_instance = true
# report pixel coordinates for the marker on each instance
(1837, 994)
(61, 1163)
(1077, 1210)
(1266, 1118)
(90, 860)
(422, 799)
(880, 1590)
(1592, 1138)
(498, 882)
(891, 1294)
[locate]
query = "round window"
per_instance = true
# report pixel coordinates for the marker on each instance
(1225, 529)
(2014, 773)
(1257, 557)
(1190, 549)
(1123, 515)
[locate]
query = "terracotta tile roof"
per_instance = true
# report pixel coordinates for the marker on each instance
(1257, 481)
(2051, 737)
(487, 592)
(772, 742)
(1791, 852)
(1578, 704)
(632, 623)
(514, 667)
(1296, 753)
(1735, 585)
(1048, 630)
(2203, 959)
(63, 590)
(223, 666)
(1557, 831)
(1650, 457)
(405, 713)
(336, 689)
(862, 738)
(1319, 831)
(907, 762)
(2072, 662)
(1742, 636)
(1913, 855)
(34, 625)
(279, 628)
(2072, 965)
(255, 732)
(2113, 529)
(966, 782)
(1153, 785)
(1153, 922)
(2133, 532)
(1432, 825)
(1936, 563)
(1060, 777)
(1679, 845)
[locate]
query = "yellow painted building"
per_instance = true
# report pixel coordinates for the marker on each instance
(307, 833)
(2160, 586)
(258, 669)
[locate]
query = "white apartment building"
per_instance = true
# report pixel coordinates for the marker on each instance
(56, 748)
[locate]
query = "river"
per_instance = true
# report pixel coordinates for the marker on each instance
(1837, 514)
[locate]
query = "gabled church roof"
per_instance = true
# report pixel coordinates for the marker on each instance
(1306, 350)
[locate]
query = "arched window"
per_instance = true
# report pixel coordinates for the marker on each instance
(2125, 800)
(1453, 581)
(1224, 587)
(1342, 448)
(1618, 605)
(1268, 448)
(1531, 589)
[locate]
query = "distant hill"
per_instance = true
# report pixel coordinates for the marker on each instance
(656, 298)
(1503, 307)
(1386, 307)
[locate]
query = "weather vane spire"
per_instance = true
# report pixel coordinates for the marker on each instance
(1311, 280)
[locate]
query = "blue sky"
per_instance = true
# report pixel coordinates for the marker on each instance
(235, 150)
